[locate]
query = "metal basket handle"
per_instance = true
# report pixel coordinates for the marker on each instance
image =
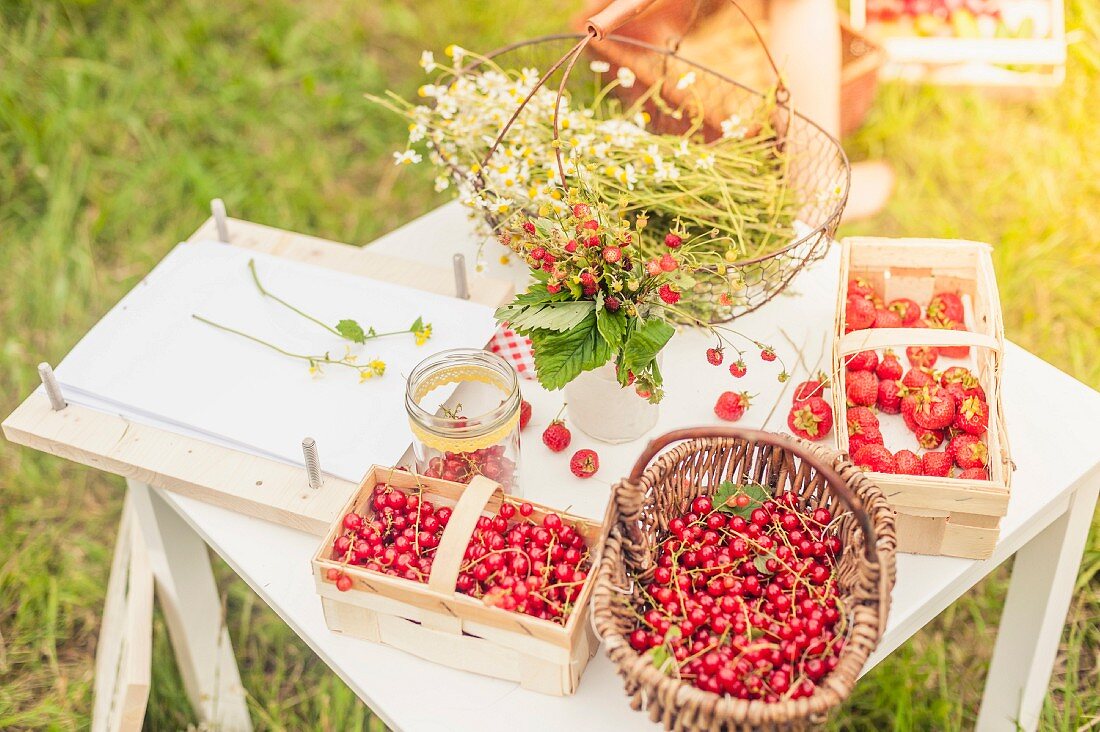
(840, 487)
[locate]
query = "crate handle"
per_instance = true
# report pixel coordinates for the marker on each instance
(850, 501)
(460, 527)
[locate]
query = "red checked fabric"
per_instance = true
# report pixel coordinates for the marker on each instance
(515, 349)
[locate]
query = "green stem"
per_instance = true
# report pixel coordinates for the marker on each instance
(284, 303)
(273, 347)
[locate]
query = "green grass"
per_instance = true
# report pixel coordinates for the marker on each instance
(120, 121)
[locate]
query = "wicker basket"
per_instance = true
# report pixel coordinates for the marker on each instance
(644, 503)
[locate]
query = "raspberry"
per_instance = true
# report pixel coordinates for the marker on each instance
(556, 436)
(672, 241)
(668, 294)
(862, 388)
(863, 361)
(731, 405)
(812, 419)
(584, 463)
(936, 464)
(738, 368)
(669, 263)
(714, 356)
(876, 459)
(524, 413)
(908, 462)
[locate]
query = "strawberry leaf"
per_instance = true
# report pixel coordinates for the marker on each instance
(612, 326)
(352, 331)
(645, 343)
(561, 357)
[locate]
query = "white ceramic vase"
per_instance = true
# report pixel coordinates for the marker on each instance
(605, 411)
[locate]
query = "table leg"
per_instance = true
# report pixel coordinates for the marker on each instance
(1034, 617)
(189, 598)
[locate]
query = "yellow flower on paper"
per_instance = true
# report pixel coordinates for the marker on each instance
(422, 336)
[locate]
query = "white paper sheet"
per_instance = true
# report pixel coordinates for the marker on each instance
(150, 361)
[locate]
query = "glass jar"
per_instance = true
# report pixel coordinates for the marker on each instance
(469, 430)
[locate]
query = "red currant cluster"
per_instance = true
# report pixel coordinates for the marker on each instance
(513, 561)
(743, 600)
(462, 467)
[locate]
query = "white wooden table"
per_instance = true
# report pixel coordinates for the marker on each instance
(1054, 492)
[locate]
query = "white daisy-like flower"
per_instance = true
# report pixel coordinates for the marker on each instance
(427, 61)
(442, 183)
(686, 80)
(732, 127)
(600, 67)
(416, 132)
(409, 157)
(705, 162)
(456, 52)
(625, 77)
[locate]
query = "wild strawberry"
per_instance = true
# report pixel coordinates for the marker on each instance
(669, 263)
(591, 225)
(653, 267)
(714, 356)
(643, 392)
(529, 227)
(917, 379)
(731, 405)
(612, 304)
(887, 319)
(738, 368)
(538, 252)
(672, 241)
(876, 459)
(553, 288)
(557, 436)
(580, 210)
(859, 287)
(928, 439)
(571, 246)
(936, 464)
(807, 390)
(524, 413)
(908, 462)
(974, 474)
(612, 254)
(862, 361)
(592, 242)
(968, 451)
(767, 353)
(922, 357)
(890, 393)
(812, 419)
(946, 306)
(668, 294)
(861, 420)
(889, 367)
(859, 313)
(972, 416)
(584, 463)
(907, 309)
(935, 408)
(861, 388)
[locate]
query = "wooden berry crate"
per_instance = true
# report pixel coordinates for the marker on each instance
(435, 622)
(944, 516)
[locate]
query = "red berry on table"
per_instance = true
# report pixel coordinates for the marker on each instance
(584, 463)
(556, 436)
(812, 419)
(907, 309)
(862, 361)
(668, 294)
(922, 357)
(890, 393)
(714, 356)
(807, 390)
(672, 241)
(974, 474)
(908, 462)
(738, 368)
(935, 408)
(875, 458)
(946, 306)
(968, 451)
(916, 378)
(859, 313)
(861, 388)
(887, 319)
(768, 353)
(936, 464)
(524, 413)
(972, 416)
(731, 405)
(889, 367)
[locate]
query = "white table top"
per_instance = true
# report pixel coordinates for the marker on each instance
(275, 560)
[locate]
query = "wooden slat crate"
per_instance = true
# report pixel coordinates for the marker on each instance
(944, 516)
(435, 622)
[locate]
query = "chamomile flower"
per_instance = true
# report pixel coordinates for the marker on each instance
(408, 157)
(427, 61)
(733, 128)
(625, 77)
(686, 80)
(600, 67)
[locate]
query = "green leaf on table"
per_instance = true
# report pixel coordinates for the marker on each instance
(561, 356)
(728, 491)
(612, 326)
(352, 331)
(556, 316)
(646, 342)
